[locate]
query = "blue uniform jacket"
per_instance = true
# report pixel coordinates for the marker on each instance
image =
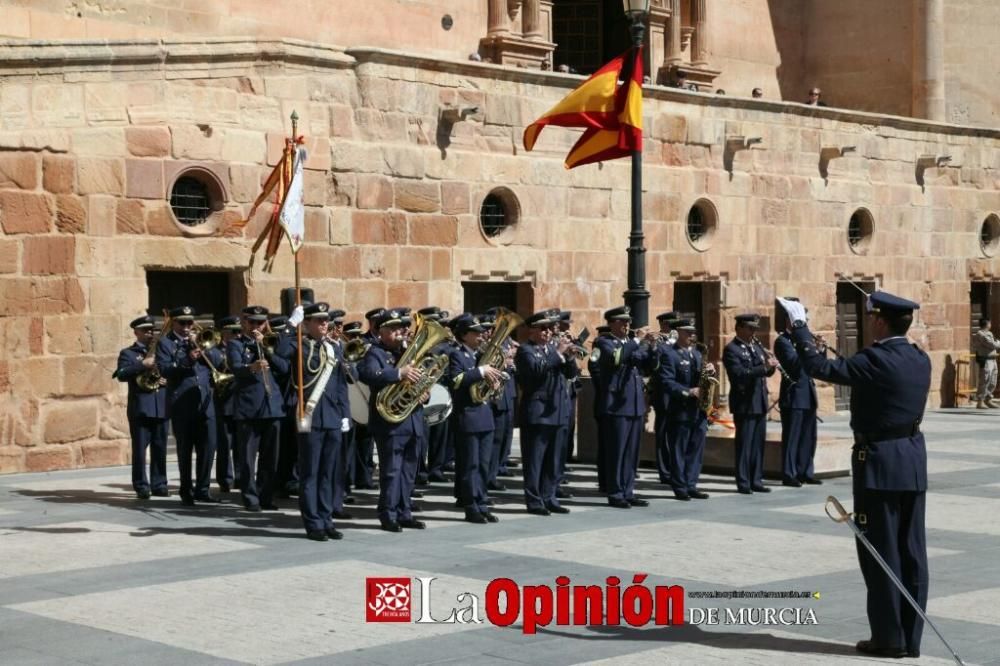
(542, 373)
(378, 370)
(333, 405)
(621, 362)
(462, 374)
(679, 372)
(252, 399)
(889, 385)
(594, 369)
(144, 404)
(659, 394)
(802, 393)
(189, 383)
(747, 371)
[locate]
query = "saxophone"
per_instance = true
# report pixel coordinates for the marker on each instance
(397, 401)
(493, 354)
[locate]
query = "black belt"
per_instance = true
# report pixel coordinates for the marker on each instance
(899, 432)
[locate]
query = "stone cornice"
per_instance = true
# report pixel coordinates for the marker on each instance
(24, 57)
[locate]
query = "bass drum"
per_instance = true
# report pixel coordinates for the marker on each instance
(438, 408)
(358, 394)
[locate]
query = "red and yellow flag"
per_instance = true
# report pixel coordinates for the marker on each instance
(610, 112)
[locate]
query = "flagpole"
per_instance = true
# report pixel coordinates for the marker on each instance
(298, 296)
(637, 296)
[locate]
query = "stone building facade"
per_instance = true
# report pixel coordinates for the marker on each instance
(744, 199)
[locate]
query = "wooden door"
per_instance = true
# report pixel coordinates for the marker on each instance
(850, 333)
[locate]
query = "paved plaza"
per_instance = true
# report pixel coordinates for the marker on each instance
(89, 574)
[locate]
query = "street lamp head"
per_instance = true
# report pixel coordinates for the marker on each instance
(636, 9)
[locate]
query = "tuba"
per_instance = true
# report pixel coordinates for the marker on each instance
(397, 401)
(493, 354)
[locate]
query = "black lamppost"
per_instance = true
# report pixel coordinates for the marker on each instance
(637, 296)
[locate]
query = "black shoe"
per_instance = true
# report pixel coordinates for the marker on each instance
(558, 509)
(745, 491)
(867, 647)
(563, 482)
(207, 499)
(270, 507)
(223, 487)
(564, 494)
(684, 497)
(254, 508)
(511, 463)
(760, 489)
(342, 515)
(413, 524)
(794, 483)
(416, 493)
(349, 500)
(422, 481)
(810, 481)
(490, 502)
(187, 500)
(317, 535)
(437, 477)
(392, 526)
(496, 485)
(362, 486)
(490, 518)
(698, 494)
(636, 501)
(506, 474)
(913, 653)
(619, 504)
(334, 534)
(665, 481)
(143, 494)
(540, 511)
(161, 492)
(477, 518)
(449, 467)
(416, 508)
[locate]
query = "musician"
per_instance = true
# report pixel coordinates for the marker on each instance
(146, 412)
(542, 371)
(259, 408)
(503, 415)
(985, 347)
(622, 359)
(748, 366)
(660, 396)
(190, 403)
(679, 374)
(397, 443)
(364, 461)
(889, 385)
(797, 400)
(286, 480)
(473, 421)
(351, 331)
(227, 448)
(327, 413)
(594, 369)
(428, 465)
(344, 471)
(567, 432)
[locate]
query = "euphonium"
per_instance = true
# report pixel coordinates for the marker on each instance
(397, 401)
(150, 379)
(493, 354)
(707, 385)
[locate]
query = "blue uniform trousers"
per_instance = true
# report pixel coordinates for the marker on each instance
(539, 465)
(663, 439)
(621, 455)
(798, 443)
(602, 484)
(749, 446)
(503, 435)
(473, 452)
(687, 440)
(437, 444)
(148, 433)
(195, 436)
(364, 463)
(562, 452)
(225, 449)
(287, 475)
(397, 472)
(344, 472)
(317, 462)
(259, 459)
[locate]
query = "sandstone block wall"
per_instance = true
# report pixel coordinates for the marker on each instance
(91, 136)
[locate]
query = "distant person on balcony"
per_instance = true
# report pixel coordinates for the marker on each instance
(985, 347)
(814, 97)
(757, 93)
(680, 81)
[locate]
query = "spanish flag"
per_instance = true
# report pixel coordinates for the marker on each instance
(610, 112)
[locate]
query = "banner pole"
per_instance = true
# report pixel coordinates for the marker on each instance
(298, 290)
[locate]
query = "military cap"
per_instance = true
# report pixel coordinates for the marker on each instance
(619, 313)
(353, 328)
(565, 316)
(183, 313)
(374, 313)
(391, 318)
(337, 315)
(603, 330)
(542, 318)
(142, 323)
(431, 312)
(278, 323)
(466, 323)
(684, 325)
(667, 317)
(882, 302)
(256, 313)
(316, 311)
(748, 319)
(229, 323)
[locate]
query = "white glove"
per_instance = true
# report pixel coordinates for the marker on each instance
(345, 425)
(795, 310)
(298, 314)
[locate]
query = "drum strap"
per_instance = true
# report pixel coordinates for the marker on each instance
(324, 378)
